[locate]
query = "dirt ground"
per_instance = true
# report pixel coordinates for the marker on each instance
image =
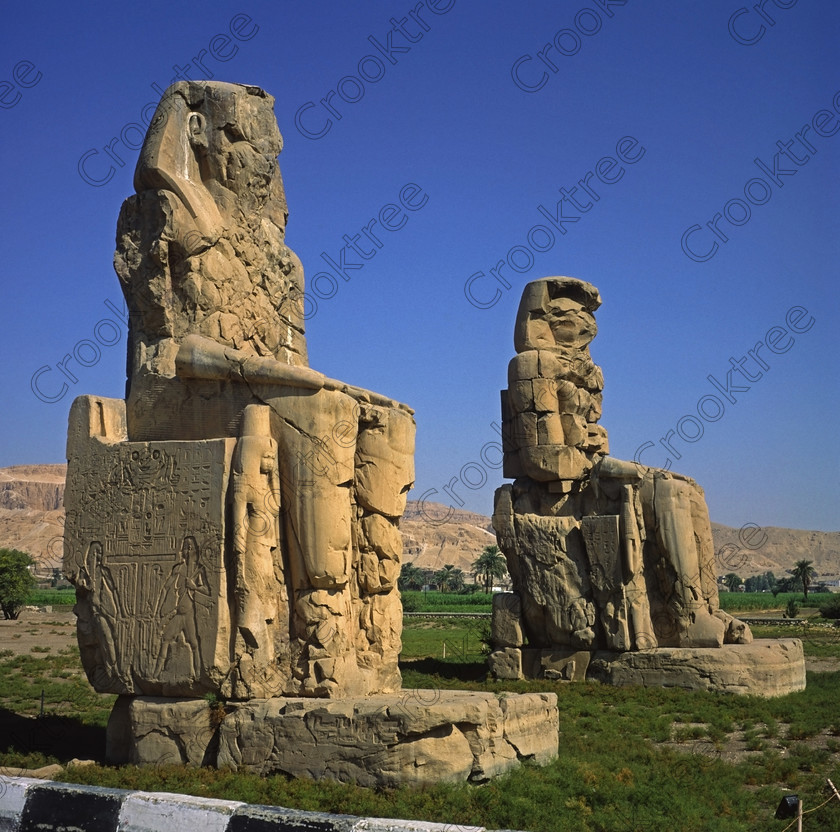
(56, 630)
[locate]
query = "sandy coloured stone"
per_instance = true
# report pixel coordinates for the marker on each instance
(277, 556)
(506, 624)
(385, 740)
(604, 555)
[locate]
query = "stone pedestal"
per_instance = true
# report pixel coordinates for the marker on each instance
(765, 667)
(415, 736)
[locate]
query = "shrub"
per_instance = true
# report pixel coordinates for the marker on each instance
(16, 581)
(792, 609)
(831, 608)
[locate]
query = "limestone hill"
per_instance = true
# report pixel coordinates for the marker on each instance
(32, 519)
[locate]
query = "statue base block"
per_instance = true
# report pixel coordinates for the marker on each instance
(410, 737)
(765, 667)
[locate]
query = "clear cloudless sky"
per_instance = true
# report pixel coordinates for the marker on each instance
(703, 88)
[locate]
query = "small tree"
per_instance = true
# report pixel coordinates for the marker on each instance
(490, 564)
(803, 570)
(16, 581)
(450, 578)
(410, 577)
(732, 582)
(785, 584)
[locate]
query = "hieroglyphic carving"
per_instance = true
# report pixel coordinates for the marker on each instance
(144, 544)
(603, 545)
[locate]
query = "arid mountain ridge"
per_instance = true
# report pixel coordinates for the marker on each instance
(32, 519)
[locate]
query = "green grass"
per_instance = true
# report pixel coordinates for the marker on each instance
(415, 601)
(618, 769)
(66, 689)
(764, 601)
(463, 639)
(820, 639)
(55, 597)
(613, 773)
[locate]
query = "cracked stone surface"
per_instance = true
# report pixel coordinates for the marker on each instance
(604, 555)
(233, 525)
(416, 736)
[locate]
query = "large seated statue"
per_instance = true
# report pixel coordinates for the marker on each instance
(232, 526)
(605, 555)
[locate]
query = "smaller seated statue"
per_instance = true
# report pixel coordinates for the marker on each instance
(604, 554)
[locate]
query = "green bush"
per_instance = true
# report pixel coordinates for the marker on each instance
(831, 608)
(746, 602)
(16, 581)
(792, 609)
(416, 601)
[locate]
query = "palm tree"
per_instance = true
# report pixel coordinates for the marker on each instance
(450, 578)
(490, 564)
(803, 570)
(410, 577)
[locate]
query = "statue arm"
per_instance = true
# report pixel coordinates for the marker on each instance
(203, 358)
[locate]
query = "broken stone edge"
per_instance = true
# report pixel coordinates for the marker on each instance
(27, 803)
(765, 667)
(387, 740)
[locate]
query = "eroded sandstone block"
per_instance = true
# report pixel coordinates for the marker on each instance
(604, 555)
(287, 487)
(766, 667)
(421, 736)
(506, 623)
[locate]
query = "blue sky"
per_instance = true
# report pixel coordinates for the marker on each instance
(455, 99)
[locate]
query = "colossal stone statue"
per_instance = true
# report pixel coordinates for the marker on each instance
(307, 476)
(604, 554)
(232, 527)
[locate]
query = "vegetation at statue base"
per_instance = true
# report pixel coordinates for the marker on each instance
(477, 602)
(630, 758)
(52, 597)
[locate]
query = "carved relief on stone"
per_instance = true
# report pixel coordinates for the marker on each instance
(144, 545)
(305, 506)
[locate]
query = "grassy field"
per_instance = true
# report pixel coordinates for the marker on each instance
(764, 601)
(414, 601)
(745, 602)
(54, 597)
(630, 759)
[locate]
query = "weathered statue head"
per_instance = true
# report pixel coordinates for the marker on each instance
(556, 312)
(201, 249)
(215, 145)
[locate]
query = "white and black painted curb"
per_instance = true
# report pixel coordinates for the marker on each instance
(29, 805)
